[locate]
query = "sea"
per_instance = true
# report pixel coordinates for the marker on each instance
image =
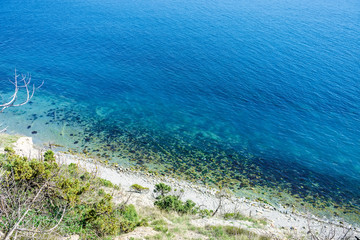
(256, 91)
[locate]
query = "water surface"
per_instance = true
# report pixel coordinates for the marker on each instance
(276, 82)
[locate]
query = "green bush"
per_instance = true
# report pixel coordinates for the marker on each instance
(138, 188)
(30, 181)
(9, 150)
(235, 216)
(23, 169)
(173, 203)
(160, 225)
(205, 212)
(89, 212)
(73, 169)
(71, 189)
(49, 156)
(129, 219)
(85, 176)
(162, 189)
(106, 219)
(100, 216)
(105, 183)
(129, 213)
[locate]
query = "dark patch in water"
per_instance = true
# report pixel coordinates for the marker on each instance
(209, 161)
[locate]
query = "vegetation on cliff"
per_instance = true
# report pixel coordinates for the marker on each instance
(41, 199)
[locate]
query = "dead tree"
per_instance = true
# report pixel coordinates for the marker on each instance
(23, 199)
(223, 194)
(21, 81)
(328, 231)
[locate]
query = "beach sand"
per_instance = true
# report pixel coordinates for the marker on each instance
(281, 222)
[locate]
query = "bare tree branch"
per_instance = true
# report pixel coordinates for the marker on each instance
(49, 230)
(8, 235)
(20, 81)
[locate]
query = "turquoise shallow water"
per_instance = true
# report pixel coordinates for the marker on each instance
(276, 81)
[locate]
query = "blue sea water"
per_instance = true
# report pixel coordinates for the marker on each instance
(275, 79)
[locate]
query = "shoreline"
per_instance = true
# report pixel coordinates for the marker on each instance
(281, 220)
(209, 163)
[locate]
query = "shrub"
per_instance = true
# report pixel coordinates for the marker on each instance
(205, 212)
(31, 196)
(49, 156)
(73, 169)
(9, 150)
(66, 197)
(129, 213)
(100, 216)
(173, 203)
(23, 169)
(162, 189)
(71, 189)
(160, 225)
(105, 183)
(130, 219)
(85, 176)
(138, 188)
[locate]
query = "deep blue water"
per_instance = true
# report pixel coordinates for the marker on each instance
(275, 79)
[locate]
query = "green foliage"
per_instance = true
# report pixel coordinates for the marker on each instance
(126, 226)
(49, 156)
(9, 150)
(103, 218)
(160, 225)
(90, 213)
(262, 200)
(85, 176)
(23, 169)
(29, 181)
(162, 189)
(72, 188)
(73, 169)
(235, 216)
(129, 213)
(101, 192)
(173, 203)
(205, 212)
(100, 216)
(105, 183)
(138, 188)
(130, 219)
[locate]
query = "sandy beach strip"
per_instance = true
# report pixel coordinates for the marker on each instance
(281, 221)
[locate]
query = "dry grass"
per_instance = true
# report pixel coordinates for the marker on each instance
(7, 140)
(175, 226)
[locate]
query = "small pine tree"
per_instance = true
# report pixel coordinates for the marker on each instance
(162, 189)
